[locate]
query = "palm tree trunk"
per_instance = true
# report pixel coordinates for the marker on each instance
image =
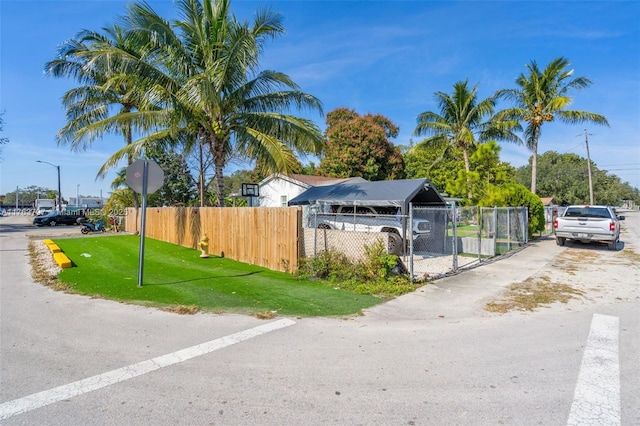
(218, 161)
(128, 131)
(467, 168)
(201, 181)
(534, 159)
(219, 184)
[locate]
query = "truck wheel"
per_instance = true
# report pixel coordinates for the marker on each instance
(395, 244)
(324, 226)
(560, 241)
(613, 245)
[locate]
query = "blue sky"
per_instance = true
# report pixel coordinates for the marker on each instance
(382, 57)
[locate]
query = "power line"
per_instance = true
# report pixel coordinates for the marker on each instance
(633, 168)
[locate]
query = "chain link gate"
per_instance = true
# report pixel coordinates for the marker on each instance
(462, 237)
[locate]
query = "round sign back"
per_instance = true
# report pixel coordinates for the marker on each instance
(135, 174)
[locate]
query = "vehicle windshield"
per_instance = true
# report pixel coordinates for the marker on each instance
(597, 212)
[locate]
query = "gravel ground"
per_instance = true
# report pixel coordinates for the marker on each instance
(43, 260)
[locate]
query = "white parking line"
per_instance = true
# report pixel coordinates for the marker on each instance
(596, 400)
(40, 399)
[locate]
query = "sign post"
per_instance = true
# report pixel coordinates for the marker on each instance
(144, 177)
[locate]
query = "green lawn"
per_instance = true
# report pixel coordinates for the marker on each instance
(464, 230)
(176, 276)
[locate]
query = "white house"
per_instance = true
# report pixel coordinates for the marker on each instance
(276, 190)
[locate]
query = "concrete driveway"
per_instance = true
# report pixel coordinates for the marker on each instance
(431, 357)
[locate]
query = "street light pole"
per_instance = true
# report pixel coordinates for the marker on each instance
(77, 199)
(59, 191)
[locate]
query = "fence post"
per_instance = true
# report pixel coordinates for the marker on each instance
(411, 243)
(508, 228)
(315, 229)
(495, 230)
(454, 245)
(478, 215)
(525, 225)
(355, 216)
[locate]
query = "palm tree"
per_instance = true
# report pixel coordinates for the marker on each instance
(94, 107)
(202, 75)
(543, 95)
(461, 123)
(105, 96)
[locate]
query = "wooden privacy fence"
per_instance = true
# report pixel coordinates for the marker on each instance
(265, 236)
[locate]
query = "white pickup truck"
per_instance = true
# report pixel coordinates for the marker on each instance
(372, 219)
(587, 224)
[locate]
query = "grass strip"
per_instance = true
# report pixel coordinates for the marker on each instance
(175, 276)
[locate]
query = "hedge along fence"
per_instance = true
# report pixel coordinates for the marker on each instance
(265, 236)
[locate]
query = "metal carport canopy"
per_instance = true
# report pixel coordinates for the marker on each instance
(398, 193)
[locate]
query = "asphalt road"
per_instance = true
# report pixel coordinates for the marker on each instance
(433, 357)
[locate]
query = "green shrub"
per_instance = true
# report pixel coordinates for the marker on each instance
(378, 263)
(374, 275)
(516, 195)
(329, 265)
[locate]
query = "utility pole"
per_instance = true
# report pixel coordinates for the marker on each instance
(586, 142)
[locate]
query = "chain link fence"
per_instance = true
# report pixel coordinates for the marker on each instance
(430, 241)
(349, 229)
(550, 214)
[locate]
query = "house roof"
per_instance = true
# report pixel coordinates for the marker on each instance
(307, 181)
(322, 180)
(547, 200)
(397, 193)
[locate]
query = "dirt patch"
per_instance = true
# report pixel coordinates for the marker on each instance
(181, 309)
(532, 294)
(631, 256)
(580, 273)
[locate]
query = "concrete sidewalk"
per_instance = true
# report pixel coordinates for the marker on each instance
(466, 293)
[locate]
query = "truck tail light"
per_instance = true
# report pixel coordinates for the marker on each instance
(555, 224)
(612, 226)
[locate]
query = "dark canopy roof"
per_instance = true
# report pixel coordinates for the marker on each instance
(397, 193)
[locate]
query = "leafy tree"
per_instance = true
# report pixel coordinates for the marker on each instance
(487, 171)
(359, 146)
(441, 165)
(310, 169)
(233, 185)
(463, 122)
(564, 177)
(542, 96)
(486, 162)
(516, 195)
(179, 188)
(203, 72)
(261, 171)
(446, 171)
(28, 195)
(119, 200)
